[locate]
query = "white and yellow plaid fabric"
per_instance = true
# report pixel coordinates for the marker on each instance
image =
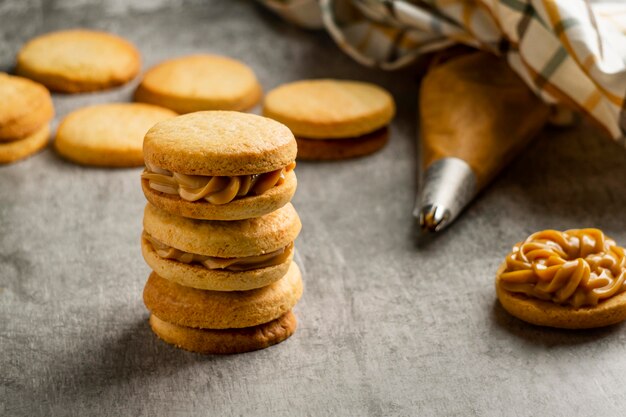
(571, 52)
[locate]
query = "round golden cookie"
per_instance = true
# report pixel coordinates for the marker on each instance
(332, 149)
(200, 82)
(223, 239)
(190, 307)
(219, 143)
(74, 61)
(25, 107)
(20, 149)
(547, 313)
(226, 341)
(330, 109)
(109, 135)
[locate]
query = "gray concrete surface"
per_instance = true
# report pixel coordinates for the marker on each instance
(386, 329)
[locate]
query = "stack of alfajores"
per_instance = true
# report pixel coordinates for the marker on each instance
(219, 231)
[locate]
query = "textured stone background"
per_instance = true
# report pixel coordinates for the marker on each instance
(386, 328)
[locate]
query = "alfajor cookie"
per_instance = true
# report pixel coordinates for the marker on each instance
(225, 341)
(574, 279)
(73, 61)
(220, 255)
(25, 147)
(25, 107)
(332, 119)
(191, 307)
(200, 82)
(109, 135)
(219, 165)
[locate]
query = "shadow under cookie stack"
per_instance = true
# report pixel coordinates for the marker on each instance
(219, 231)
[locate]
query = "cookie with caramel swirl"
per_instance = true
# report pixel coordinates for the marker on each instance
(573, 279)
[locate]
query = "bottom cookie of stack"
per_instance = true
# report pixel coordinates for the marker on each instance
(219, 322)
(225, 341)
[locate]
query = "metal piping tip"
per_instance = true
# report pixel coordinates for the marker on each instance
(448, 185)
(433, 218)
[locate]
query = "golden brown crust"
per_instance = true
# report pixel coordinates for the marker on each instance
(326, 109)
(20, 149)
(109, 135)
(198, 276)
(242, 208)
(334, 149)
(200, 82)
(205, 309)
(224, 239)
(226, 341)
(219, 143)
(25, 107)
(547, 313)
(79, 60)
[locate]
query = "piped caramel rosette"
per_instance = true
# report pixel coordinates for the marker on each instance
(214, 189)
(563, 279)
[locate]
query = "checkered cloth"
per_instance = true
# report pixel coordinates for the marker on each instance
(570, 52)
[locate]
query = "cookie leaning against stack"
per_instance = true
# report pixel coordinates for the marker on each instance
(333, 119)
(25, 112)
(219, 232)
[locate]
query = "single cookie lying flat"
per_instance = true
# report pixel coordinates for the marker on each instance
(219, 165)
(200, 82)
(574, 279)
(226, 341)
(332, 119)
(20, 149)
(191, 307)
(25, 107)
(220, 255)
(109, 135)
(74, 61)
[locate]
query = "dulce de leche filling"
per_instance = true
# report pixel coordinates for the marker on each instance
(210, 262)
(214, 189)
(580, 267)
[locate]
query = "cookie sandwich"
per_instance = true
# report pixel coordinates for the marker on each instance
(220, 255)
(26, 110)
(333, 119)
(79, 60)
(219, 165)
(574, 279)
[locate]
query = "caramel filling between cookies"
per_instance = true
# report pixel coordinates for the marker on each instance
(214, 189)
(211, 262)
(579, 267)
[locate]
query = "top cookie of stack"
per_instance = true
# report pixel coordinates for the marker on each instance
(220, 167)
